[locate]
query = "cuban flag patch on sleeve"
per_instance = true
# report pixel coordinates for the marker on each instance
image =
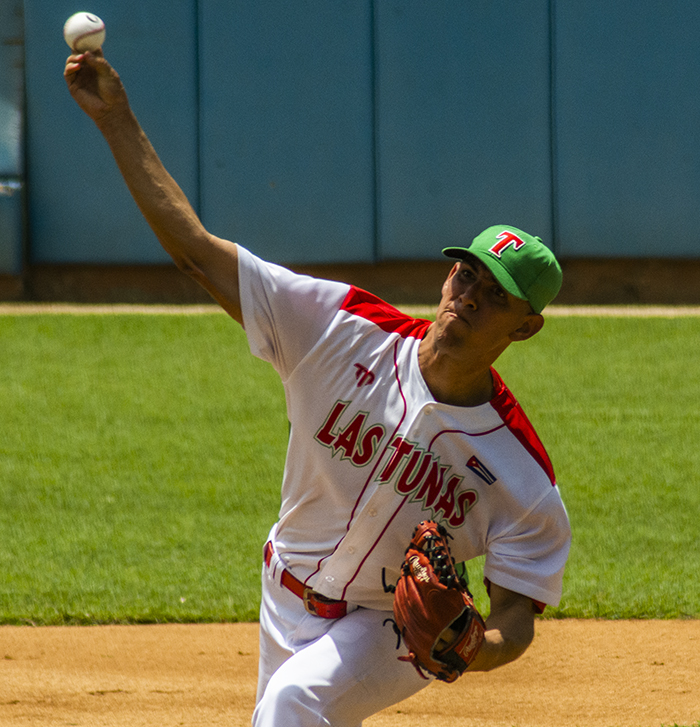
(480, 470)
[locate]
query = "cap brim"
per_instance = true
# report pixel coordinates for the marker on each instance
(492, 263)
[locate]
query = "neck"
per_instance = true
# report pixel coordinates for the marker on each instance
(452, 382)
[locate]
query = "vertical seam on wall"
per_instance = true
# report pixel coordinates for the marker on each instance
(198, 110)
(553, 194)
(376, 247)
(26, 251)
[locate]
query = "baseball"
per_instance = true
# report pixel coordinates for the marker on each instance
(84, 31)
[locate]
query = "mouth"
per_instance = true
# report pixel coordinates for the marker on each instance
(457, 315)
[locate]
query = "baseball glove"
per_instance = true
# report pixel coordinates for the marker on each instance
(434, 611)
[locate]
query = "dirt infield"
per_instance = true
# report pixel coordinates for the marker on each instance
(576, 674)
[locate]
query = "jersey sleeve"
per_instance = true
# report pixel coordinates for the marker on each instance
(529, 558)
(284, 314)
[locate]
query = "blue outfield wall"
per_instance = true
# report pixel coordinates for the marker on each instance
(286, 109)
(463, 122)
(11, 139)
(79, 208)
(627, 128)
(330, 132)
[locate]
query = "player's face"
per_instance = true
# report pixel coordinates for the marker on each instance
(477, 311)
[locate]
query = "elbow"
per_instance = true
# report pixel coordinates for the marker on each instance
(186, 265)
(511, 648)
(517, 639)
(504, 643)
(190, 256)
(516, 646)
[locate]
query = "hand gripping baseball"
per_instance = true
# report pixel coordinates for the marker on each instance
(434, 612)
(95, 85)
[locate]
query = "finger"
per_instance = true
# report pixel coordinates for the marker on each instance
(95, 59)
(97, 63)
(73, 64)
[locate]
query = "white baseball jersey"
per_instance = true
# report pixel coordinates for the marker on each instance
(371, 453)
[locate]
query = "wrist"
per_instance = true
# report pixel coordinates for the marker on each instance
(116, 120)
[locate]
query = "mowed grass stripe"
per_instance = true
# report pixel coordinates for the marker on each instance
(141, 458)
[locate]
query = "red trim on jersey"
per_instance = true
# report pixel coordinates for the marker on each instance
(509, 410)
(360, 303)
(370, 477)
(466, 434)
(374, 545)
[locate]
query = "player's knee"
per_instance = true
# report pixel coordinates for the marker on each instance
(290, 705)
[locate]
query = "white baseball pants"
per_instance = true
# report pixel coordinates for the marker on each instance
(316, 671)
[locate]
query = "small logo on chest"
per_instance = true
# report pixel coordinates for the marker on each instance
(363, 375)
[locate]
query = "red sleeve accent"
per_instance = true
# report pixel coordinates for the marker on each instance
(360, 303)
(516, 420)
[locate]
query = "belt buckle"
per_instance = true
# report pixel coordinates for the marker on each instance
(308, 604)
(329, 608)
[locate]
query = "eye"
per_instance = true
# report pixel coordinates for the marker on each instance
(499, 292)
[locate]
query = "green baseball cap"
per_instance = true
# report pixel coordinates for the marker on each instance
(521, 263)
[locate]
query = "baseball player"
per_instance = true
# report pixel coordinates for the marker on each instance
(393, 421)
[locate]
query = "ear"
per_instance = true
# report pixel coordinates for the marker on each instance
(533, 324)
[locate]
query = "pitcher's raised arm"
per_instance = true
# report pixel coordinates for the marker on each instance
(210, 260)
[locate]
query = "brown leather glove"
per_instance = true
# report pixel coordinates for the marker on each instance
(433, 608)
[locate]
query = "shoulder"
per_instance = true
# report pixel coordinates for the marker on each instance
(266, 285)
(369, 307)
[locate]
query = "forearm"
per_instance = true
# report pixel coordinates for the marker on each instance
(207, 259)
(510, 629)
(211, 261)
(160, 199)
(497, 650)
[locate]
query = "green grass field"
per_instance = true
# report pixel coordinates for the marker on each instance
(141, 458)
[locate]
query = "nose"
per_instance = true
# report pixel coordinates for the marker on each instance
(471, 294)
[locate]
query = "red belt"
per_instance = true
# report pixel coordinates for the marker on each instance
(314, 603)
